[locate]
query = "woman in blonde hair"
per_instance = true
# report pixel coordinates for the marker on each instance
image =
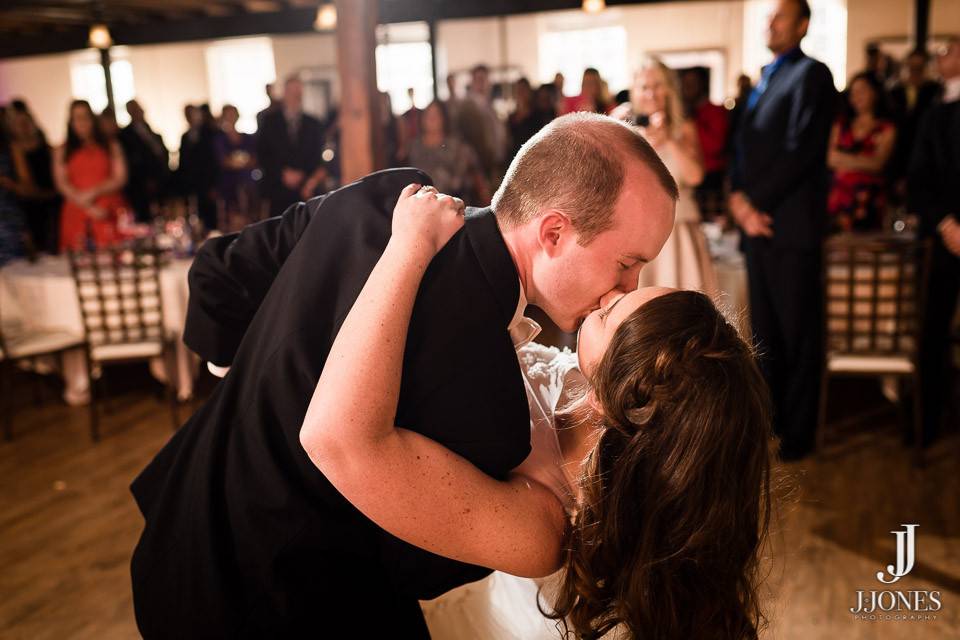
(655, 107)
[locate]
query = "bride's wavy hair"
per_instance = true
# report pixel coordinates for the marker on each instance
(675, 502)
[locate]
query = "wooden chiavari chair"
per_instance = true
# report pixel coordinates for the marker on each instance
(122, 308)
(874, 289)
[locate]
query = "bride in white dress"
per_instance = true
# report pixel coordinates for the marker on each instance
(645, 498)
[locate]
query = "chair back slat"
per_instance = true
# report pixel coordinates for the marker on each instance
(874, 288)
(119, 295)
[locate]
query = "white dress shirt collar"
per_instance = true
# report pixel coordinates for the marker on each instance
(522, 329)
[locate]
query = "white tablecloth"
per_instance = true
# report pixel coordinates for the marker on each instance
(42, 295)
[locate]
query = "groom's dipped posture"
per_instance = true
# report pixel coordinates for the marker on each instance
(244, 537)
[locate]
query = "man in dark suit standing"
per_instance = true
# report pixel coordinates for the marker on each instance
(934, 193)
(910, 99)
(148, 166)
(244, 537)
(779, 181)
(289, 148)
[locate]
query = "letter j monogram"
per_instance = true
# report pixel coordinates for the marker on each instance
(906, 552)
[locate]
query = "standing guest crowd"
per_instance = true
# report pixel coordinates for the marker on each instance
(788, 161)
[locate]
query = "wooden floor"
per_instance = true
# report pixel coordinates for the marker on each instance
(68, 525)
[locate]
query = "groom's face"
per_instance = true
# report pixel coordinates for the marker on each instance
(574, 280)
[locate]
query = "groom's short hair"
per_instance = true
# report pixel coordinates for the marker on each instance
(576, 165)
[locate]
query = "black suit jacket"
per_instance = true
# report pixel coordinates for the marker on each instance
(908, 120)
(147, 167)
(242, 531)
(781, 149)
(934, 175)
(277, 149)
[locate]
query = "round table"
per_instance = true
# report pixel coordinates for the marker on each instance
(42, 295)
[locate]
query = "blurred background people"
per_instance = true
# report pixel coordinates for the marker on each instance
(148, 163)
(591, 96)
(934, 188)
(451, 163)
(909, 100)
(526, 119)
(289, 150)
(272, 104)
(90, 172)
(861, 143)
(236, 155)
(196, 175)
(656, 107)
(713, 126)
(779, 182)
(479, 126)
(30, 177)
(11, 217)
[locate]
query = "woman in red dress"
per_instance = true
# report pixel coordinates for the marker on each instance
(90, 172)
(860, 146)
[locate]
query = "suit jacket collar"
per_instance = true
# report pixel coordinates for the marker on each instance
(494, 258)
(782, 61)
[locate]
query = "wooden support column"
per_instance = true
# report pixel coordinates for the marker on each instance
(921, 23)
(361, 136)
(105, 63)
(432, 31)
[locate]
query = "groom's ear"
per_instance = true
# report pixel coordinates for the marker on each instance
(553, 228)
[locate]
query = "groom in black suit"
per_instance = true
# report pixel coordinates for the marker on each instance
(244, 537)
(779, 181)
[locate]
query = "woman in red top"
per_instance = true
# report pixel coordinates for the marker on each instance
(860, 146)
(591, 97)
(90, 172)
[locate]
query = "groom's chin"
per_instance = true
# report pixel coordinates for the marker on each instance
(570, 326)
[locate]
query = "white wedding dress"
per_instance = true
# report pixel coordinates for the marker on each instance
(502, 606)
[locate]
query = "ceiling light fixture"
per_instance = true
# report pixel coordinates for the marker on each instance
(594, 6)
(100, 36)
(326, 17)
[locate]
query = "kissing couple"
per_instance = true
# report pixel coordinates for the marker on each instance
(388, 431)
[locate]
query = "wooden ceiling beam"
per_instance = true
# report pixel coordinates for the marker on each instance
(185, 20)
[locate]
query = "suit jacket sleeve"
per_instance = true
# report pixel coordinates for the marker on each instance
(232, 274)
(808, 130)
(230, 277)
(927, 191)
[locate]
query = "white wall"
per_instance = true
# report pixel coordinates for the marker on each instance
(650, 28)
(167, 77)
(44, 82)
(293, 53)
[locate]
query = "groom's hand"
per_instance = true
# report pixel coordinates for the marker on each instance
(425, 219)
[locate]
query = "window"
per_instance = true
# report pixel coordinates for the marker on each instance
(88, 82)
(403, 63)
(237, 72)
(572, 51)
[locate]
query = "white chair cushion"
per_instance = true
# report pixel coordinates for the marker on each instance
(869, 364)
(39, 342)
(107, 352)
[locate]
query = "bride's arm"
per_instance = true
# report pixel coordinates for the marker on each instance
(406, 483)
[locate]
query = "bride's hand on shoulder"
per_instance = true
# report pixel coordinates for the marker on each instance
(425, 219)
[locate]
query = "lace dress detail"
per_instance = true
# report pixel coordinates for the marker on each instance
(501, 606)
(551, 376)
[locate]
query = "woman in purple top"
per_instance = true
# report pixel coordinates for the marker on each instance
(236, 153)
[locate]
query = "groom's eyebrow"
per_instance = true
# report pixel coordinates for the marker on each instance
(636, 257)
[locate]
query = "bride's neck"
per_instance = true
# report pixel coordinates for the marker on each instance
(577, 432)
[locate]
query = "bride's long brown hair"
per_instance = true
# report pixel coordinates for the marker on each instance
(675, 499)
